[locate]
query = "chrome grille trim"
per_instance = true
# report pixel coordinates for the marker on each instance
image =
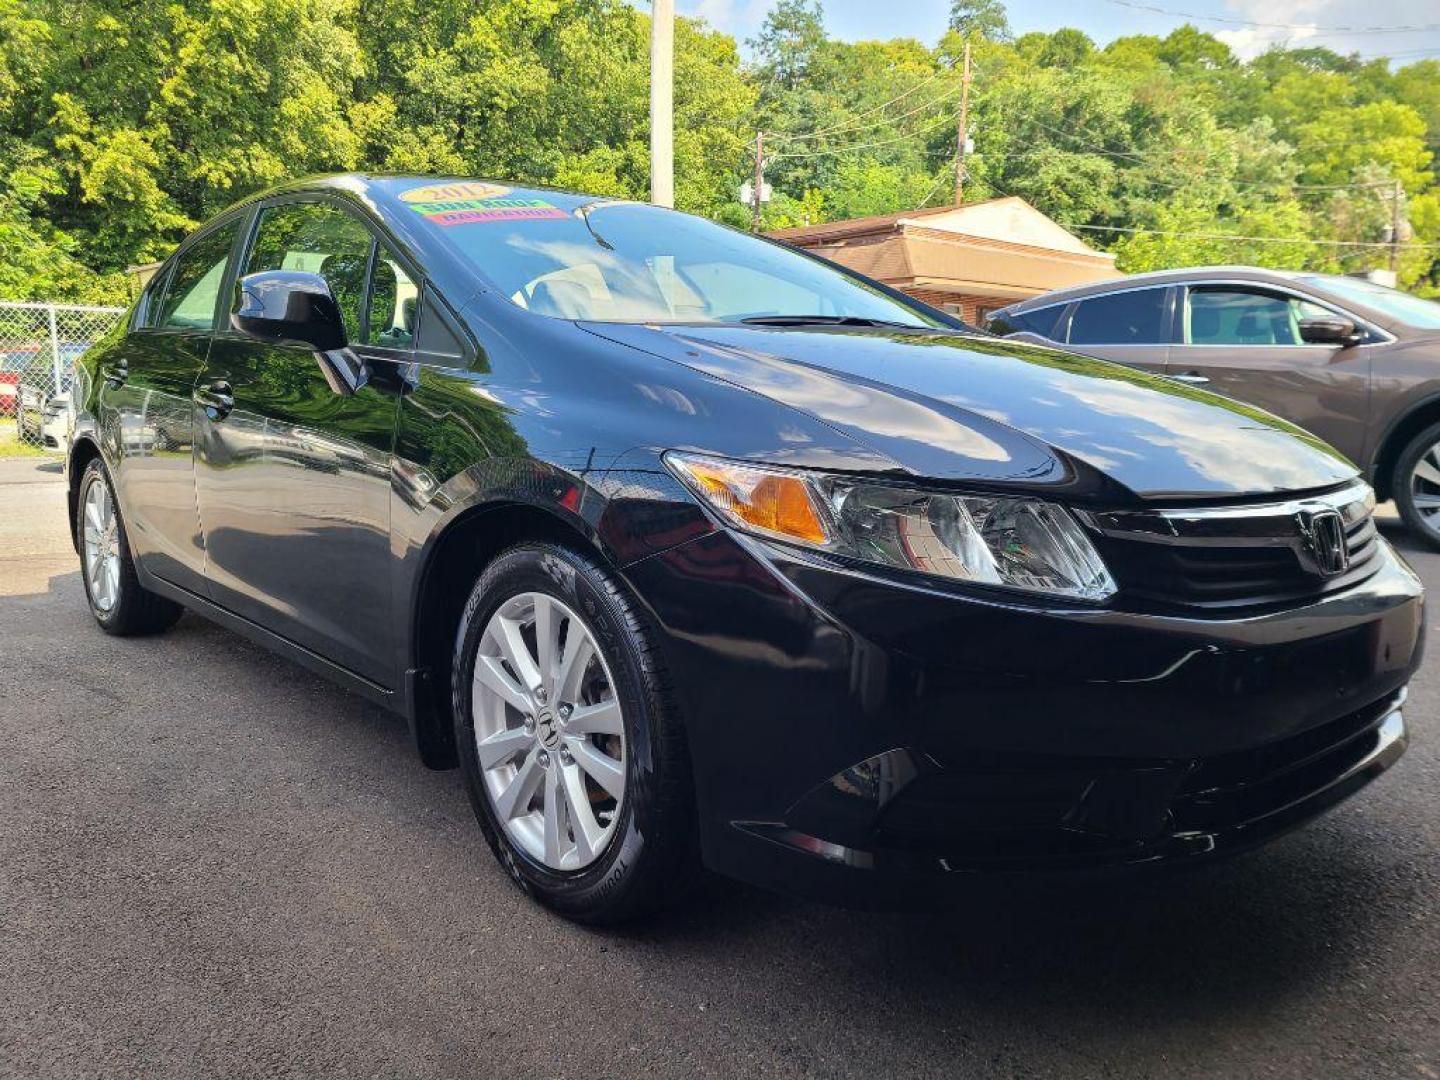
(1271, 524)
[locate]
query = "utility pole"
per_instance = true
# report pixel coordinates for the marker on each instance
(759, 181)
(662, 103)
(1396, 194)
(960, 134)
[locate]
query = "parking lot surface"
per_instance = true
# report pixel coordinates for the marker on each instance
(214, 863)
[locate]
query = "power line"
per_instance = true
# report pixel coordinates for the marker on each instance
(943, 99)
(923, 129)
(844, 124)
(1313, 27)
(1254, 239)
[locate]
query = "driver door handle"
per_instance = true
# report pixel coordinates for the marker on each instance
(217, 398)
(115, 376)
(1192, 377)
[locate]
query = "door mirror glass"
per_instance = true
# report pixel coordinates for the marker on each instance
(1327, 330)
(289, 306)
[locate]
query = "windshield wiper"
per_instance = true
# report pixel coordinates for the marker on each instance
(824, 320)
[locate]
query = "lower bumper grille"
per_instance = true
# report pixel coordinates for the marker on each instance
(1067, 810)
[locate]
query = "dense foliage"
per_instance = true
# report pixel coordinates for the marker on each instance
(123, 123)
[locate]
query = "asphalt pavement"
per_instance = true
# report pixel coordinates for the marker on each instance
(213, 863)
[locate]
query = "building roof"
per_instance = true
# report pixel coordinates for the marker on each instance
(1002, 248)
(1009, 220)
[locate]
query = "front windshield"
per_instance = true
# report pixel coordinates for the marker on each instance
(627, 262)
(1402, 307)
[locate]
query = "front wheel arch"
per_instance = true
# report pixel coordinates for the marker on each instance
(457, 557)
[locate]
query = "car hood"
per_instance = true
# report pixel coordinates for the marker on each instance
(958, 407)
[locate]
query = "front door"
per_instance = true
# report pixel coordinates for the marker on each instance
(1244, 342)
(146, 412)
(293, 477)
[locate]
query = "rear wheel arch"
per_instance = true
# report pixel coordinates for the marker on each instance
(1420, 416)
(82, 452)
(456, 558)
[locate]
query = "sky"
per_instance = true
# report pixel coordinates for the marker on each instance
(1312, 22)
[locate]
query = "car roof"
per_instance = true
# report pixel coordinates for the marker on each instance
(1154, 279)
(399, 190)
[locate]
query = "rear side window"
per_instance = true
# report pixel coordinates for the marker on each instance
(1039, 321)
(1123, 318)
(321, 239)
(194, 286)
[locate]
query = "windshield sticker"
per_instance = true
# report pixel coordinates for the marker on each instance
(469, 202)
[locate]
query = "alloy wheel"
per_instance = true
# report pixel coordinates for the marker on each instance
(549, 732)
(1425, 488)
(100, 531)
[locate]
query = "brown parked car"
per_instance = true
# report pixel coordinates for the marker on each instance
(1353, 362)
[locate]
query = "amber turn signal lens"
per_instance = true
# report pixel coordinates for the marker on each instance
(773, 502)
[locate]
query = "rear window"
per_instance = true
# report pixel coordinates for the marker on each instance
(1123, 318)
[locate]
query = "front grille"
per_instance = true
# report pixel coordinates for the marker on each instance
(1231, 557)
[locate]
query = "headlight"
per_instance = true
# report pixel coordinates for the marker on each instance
(1014, 543)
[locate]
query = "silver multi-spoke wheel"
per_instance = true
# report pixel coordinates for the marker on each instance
(1425, 488)
(100, 532)
(549, 732)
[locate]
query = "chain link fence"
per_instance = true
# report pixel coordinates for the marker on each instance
(39, 343)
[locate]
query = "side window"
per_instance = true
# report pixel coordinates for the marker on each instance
(438, 340)
(194, 286)
(1040, 321)
(321, 239)
(1240, 317)
(1123, 318)
(147, 311)
(394, 300)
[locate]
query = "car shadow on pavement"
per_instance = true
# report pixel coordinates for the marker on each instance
(318, 790)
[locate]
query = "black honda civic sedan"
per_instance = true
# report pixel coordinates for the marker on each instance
(691, 550)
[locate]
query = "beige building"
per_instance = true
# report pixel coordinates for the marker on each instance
(969, 260)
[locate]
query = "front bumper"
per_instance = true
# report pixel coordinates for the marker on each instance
(864, 739)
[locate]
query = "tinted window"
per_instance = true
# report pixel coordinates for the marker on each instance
(440, 342)
(1040, 321)
(393, 302)
(195, 280)
(1241, 317)
(321, 239)
(1125, 318)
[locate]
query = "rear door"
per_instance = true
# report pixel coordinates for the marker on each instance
(1243, 341)
(293, 477)
(1131, 326)
(146, 412)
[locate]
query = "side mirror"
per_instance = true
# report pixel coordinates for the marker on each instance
(1328, 331)
(297, 307)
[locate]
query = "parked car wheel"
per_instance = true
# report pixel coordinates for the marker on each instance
(570, 743)
(1416, 485)
(120, 604)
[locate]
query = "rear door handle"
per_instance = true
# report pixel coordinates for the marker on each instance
(1192, 377)
(216, 397)
(115, 376)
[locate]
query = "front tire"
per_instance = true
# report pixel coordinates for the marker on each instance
(120, 604)
(1416, 485)
(570, 742)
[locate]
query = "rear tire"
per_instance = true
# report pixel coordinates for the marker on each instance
(1416, 486)
(639, 852)
(120, 604)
